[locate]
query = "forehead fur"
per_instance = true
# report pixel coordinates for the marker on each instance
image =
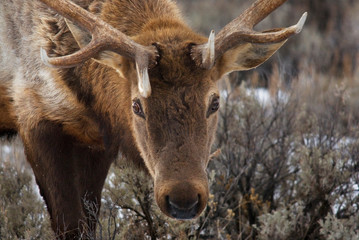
(173, 40)
(175, 66)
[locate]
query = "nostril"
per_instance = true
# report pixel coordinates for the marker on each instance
(168, 200)
(192, 205)
(183, 209)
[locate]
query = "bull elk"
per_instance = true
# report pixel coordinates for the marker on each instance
(82, 82)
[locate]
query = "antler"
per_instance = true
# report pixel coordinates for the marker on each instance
(104, 37)
(240, 31)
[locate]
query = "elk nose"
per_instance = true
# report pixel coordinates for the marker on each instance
(182, 210)
(182, 199)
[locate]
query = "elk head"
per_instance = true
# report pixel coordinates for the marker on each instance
(174, 93)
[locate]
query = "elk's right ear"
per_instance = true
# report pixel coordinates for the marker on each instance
(112, 59)
(83, 38)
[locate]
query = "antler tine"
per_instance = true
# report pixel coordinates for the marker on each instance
(73, 12)
(104, 37)
(232, 32)
(255, 13)
(71, 60)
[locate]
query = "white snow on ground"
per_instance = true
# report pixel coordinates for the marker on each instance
(264, 98)
(262, 95)
(6, 149)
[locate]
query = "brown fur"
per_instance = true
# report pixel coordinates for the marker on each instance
(74, 121)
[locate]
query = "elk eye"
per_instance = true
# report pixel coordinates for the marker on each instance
(214, 106)
(137, 108)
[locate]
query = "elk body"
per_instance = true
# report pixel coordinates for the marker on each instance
(123, 76)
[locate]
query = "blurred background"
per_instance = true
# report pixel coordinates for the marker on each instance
(286, 162)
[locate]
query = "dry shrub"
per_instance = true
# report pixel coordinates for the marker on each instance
(23, 214)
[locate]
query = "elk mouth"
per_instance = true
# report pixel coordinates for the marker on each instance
(183, 212)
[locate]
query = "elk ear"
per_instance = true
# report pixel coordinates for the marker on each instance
(83, 38)
(114, 60)
(110, 59)
(246, 56)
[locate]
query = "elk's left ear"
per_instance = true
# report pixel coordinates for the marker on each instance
(246, 56)
(244, 49)
(238, 47)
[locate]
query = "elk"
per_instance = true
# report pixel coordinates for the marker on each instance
(81, 82)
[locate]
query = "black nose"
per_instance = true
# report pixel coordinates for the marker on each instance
(183, 210)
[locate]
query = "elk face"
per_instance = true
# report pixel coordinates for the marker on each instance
(174, 129)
